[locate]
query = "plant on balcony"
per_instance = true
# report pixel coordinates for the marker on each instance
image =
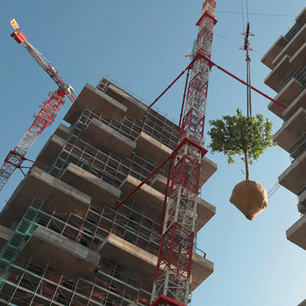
(247, 137)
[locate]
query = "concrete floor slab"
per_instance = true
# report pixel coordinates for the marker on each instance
(101, 193)
(208, 168)
(297, 233)
(49, 152)
(302, 203)
(144, 263)
(303, 303)
(61, 253)
(271, 54)
(136, 108)
(152, 149)
(278, 73)
(55, 194)
(286, 96)
(62, 131)
(291, 130)
(299, 102)
(294, 177)
(293, 46)
(146, 196)
(299, 58)
(97, 101)
(154, 201)
(99, 134)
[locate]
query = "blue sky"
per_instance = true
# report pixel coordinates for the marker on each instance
(142, 44)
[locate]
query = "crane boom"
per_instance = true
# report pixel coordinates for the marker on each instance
(21, 39)
(45, 117)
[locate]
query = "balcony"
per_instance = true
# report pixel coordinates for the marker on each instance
(135, 108)
(101, 192)
(144, 263)
(278, 74)
(49, 152)
(157, 152)
(286, 96)
(299, 102)
(294, 46)
(302, 202)
(273, 52)
(99, 134)
(297, 233)
(62, 131)
(152, 149)
(60, 253)
(294, 177)
(98, 102)
(291, 130)
(153, 200)
(55, 194)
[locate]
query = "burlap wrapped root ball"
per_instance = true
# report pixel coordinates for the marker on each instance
(250, 198)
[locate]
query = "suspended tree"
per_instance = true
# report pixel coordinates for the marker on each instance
(242, 136)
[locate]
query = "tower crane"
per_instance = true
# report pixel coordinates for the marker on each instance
(45, 117)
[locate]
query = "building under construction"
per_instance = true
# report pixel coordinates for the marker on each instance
(63, 243)
(287, 60)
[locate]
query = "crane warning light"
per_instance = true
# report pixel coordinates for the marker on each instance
(14, 24)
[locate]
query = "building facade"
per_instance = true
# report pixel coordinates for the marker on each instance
(287, 60)
(62, 241)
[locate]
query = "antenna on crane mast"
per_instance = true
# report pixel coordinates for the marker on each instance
(45, 117)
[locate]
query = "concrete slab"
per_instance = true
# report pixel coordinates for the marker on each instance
(208, 168)
(271, 54)
(97, 101)
(50, 152)
(293, 47)
(299, 102)
(278, 73)
(299, 58)
(291, 130)
(61, 253)
(200, 270)
(99, 134)
(101, 193)
(302, 203)
(5, 233)
(297, 233)
(152, 149)
(303, 303)
(55, 194)
(62, 131)
(135, 107)
(301, 18)
(294, 177)
(148, 196)
(154, 201)
(205, 212)
(143, 263)
(286, 96)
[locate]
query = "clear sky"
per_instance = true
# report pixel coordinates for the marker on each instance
(142, 44)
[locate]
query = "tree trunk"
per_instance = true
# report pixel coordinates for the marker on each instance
(246, 160)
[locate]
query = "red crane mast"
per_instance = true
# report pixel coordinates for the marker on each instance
(45, 117)
(173, 272)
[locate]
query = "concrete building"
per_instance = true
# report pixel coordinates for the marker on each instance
(287, 60)
(62, 241)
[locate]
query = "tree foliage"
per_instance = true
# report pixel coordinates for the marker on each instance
(241, 136)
